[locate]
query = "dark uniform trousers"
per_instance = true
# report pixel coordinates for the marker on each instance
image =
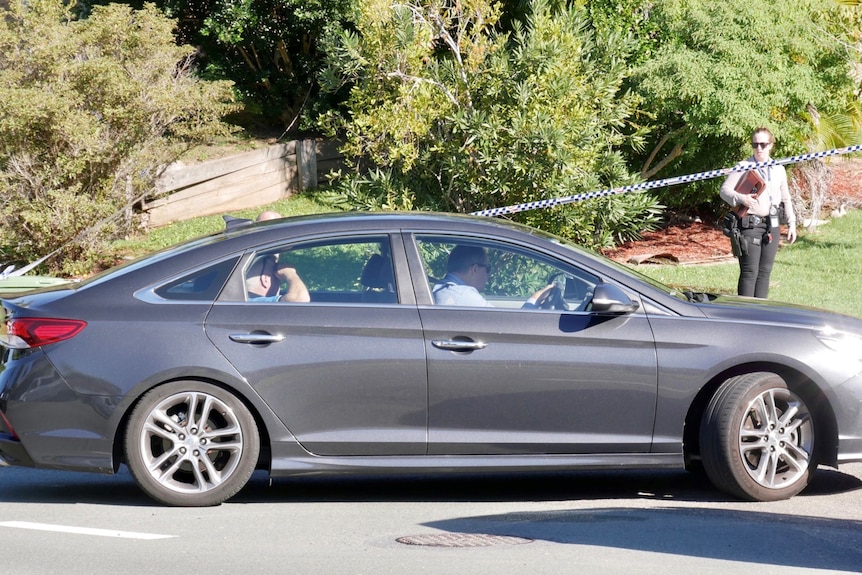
(755, 267)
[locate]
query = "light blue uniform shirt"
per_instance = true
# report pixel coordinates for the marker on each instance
(453, 291)
(264, 298)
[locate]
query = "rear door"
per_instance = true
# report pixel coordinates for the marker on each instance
(345, 372)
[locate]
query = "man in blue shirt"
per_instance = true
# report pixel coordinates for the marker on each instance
(466, 275)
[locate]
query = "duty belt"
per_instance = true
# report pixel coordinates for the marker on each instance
(752, 221)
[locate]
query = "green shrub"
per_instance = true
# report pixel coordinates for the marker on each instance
(88, 110)
(457, 116)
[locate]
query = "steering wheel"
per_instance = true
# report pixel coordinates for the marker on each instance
(555, 299)
(574, 287)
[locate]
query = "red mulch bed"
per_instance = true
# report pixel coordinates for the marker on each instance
(703, 242)
(694, 242)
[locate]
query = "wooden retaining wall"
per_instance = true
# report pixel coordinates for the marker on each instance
(241, 181)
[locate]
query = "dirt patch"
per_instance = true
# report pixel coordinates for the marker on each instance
(702, 242)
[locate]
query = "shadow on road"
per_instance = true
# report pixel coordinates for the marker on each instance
(669, 485)
(741, 536)
(44, 486)
(650, 511)
(25, 485)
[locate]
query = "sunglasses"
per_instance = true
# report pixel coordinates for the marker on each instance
(760, 145)
(486, 266)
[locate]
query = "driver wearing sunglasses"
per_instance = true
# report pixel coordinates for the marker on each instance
(467, 272)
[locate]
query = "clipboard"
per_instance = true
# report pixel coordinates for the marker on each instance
(750, 184)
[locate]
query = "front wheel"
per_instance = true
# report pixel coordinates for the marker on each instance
(191, 444)
(757, 439)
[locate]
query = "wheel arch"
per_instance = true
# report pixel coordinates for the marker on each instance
(265, 456)
(826, 441)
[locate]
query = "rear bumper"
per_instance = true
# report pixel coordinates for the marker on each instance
(12, 452)
(45, 424)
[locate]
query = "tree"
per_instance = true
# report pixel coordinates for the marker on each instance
(725, 67)
(88, 110)
(268, 48)
(454, 115)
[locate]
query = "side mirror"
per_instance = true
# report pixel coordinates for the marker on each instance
(608, 298)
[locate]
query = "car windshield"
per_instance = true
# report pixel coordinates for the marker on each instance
(683, 295)
(655, 284)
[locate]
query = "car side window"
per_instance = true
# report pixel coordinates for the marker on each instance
(339, 270)
(478, 272)
(199, 285)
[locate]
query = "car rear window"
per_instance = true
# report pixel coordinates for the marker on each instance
(200, 285)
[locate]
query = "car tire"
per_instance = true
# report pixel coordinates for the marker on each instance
(757, 439)
(191, 444)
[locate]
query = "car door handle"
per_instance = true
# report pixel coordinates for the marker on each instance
(258, 338)
(456, 345)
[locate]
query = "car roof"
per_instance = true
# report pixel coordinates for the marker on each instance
(240, 235)
(360, 220)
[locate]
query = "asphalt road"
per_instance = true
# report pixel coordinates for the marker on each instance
(588, 522)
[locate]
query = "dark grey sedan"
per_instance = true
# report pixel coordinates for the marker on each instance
(355, 343)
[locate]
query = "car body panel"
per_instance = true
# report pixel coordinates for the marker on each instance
(545, 383)
(345, 380)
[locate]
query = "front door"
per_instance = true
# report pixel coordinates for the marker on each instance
(512, 378)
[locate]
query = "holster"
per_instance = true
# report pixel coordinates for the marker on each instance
(738, 243)
(730, 226)
(728, 223)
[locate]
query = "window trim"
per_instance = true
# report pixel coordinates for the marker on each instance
(150, 294)
(403, 293)
(551, 259)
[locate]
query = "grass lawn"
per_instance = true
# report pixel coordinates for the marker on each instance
(822, 269)
(177, 232)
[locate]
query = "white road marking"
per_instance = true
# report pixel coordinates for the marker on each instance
(82, 530)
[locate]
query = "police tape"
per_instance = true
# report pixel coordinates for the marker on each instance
(553, 202)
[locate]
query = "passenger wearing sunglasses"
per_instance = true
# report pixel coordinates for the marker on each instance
(760, 228)
(467, 272)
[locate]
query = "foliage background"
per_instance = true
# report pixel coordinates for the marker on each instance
(710, 72)
(89, 109)
(453, 114)
(441, 104)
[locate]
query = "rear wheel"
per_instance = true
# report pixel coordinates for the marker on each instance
(191, 444)
(757, 439)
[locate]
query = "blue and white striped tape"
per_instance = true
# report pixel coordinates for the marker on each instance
(552, 202)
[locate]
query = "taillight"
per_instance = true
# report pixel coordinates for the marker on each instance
(8, 426)
(26, 332)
